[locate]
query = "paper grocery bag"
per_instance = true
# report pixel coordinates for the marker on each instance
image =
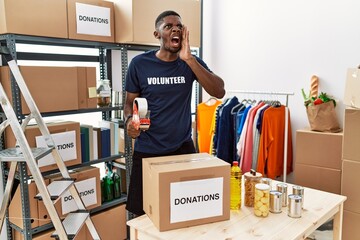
(322, 117)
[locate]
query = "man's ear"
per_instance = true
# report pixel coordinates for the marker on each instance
(156, 34)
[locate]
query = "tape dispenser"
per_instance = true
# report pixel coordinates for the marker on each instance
(141, 114)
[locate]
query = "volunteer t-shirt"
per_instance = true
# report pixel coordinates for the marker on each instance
(167, 87)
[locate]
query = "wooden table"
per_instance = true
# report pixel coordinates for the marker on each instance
(319, 207)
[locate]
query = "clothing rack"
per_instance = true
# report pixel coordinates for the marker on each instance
(286, 94)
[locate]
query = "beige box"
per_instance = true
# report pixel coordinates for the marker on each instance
(47, 235)
(110, 224)
(15, 207)
(36, 17)
(351, 223)
(351, 147)
(135, 19)
(352, 88)
(32, 131)
(325, 179)
(186, 190)
(52, 88)
(320, 149)
(87, 181)
(91, 20)
(44, 217)
(87, 87)
(350, 178)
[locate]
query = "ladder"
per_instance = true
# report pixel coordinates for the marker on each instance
(73, 222)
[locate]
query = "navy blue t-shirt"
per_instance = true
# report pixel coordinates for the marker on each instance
(167, 87)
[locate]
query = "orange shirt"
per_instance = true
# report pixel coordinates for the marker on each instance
(271, 149)
(205, 114)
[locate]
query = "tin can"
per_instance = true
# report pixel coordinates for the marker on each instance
(251, 179)
(298, 190)
(282, 187)
(261, 200)
(266, 181)
(275, 201)
(294, 207)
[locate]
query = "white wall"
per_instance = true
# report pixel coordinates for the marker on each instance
(278, 45)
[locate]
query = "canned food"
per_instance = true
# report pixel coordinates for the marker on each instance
(275, 201)
(298, 190)
(261, 201)
(251, 179)
(266, 181)
(294, 208)
(282, 187)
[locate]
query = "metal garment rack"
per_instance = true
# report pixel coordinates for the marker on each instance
(286, 94)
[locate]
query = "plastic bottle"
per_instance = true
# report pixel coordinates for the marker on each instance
(117, 184)
(235, 186)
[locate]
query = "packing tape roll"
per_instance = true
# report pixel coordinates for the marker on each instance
(142, 106)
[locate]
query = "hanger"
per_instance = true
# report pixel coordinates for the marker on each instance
(211, 101)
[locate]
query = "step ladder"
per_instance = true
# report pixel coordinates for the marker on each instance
(70, 226)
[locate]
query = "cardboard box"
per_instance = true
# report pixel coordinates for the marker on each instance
(15, 207)
(320, 149)
(91, 20)
(66, 135)
(47, 235)
(87, 87)
(186, 190)
(351, 147)
(79, 84)
(324, 179)
(351, 223)
(350, 177)
(88, 185)
(352, 88)
(35, 17)
(110, 224)
(44, 217)
(135, 19)
(48, 86)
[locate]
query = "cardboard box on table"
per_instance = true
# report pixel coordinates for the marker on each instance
(36, 17)
(135, 19)
(66, 135)
(91, 20)
(186, 190)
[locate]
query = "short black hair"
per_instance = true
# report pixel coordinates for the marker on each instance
(164, 14)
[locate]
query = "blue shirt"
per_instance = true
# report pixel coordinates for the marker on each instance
(167, 87)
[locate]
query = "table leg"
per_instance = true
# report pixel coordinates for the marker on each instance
(133, 234)
(337, 225)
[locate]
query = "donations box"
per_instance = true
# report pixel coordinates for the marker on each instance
(186, 190)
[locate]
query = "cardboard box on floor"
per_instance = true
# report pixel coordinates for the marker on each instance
(69, 143)
(48, 85)
(186, 190)
(351, 223)
(91, 20)
(350, 177)
(321, 149)
(135, 19)
(351, 149)
(36, 17)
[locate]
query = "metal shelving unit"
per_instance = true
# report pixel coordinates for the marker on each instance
(10, 40)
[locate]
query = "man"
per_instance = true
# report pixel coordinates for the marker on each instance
(165, 78)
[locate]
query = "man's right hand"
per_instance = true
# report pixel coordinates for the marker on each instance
(131, 130)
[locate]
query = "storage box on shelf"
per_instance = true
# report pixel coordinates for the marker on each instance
(67, 140)
(56, 88)
(170, 181)
(36, 17)
(318, 160)
(91, 20)
(135, 19)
